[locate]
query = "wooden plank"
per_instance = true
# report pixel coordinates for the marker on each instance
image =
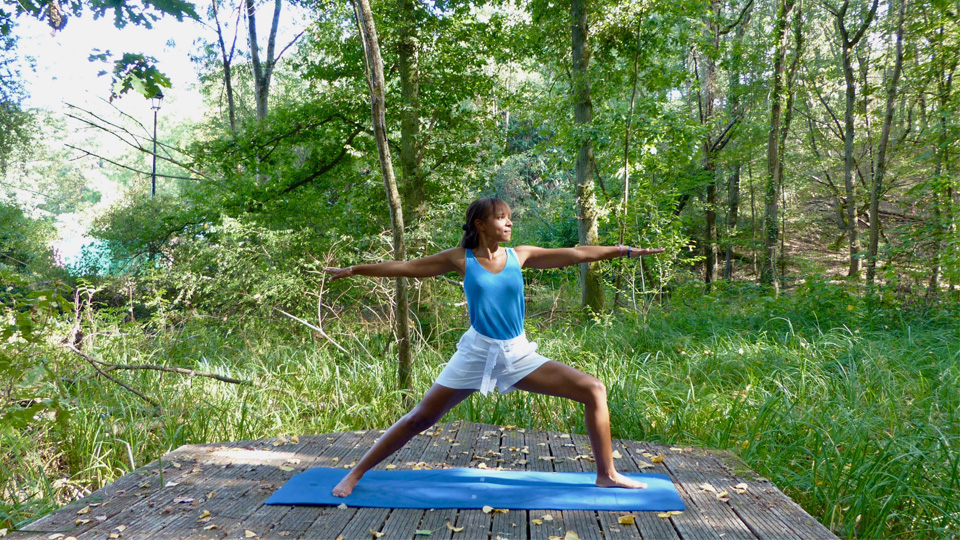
(718, 517)
(766, 510)
(549, 527)
(244, 474)
(364, 521)
(613, 530)
(461, 449)
(436, 521)
(689, 525)
(264, 519)
(509, 526)
(113, 498)
(213, 471)
(265, 467)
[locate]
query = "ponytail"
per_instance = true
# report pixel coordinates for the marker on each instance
(478, 209)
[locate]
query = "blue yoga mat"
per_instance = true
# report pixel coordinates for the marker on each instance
(474, 488)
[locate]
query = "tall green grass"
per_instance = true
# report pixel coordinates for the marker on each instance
(850, 406)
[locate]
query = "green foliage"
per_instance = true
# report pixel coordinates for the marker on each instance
(23, 242)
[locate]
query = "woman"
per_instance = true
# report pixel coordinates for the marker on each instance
(494, 352)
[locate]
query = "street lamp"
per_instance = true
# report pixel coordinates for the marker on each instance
(155, 103)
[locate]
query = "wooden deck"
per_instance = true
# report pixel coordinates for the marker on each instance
(217, 491)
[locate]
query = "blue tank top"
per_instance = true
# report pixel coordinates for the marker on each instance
(495, 301)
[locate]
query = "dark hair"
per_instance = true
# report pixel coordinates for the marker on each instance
(479, 209)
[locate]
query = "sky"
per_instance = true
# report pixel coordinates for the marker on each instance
(64, 73)
(56, 70)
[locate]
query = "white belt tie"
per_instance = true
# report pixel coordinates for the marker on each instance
(500, 351)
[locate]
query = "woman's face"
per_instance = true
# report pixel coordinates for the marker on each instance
(497, 227)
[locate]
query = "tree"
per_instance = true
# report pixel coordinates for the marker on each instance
(781, 113)
(876, 187)
(847, 43)
(587, 212)
(377, 83)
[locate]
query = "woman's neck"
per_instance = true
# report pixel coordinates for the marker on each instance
(487, 250)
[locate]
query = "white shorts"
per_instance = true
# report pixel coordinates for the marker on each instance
(483, 363)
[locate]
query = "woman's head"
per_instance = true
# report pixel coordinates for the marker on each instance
(480, 210)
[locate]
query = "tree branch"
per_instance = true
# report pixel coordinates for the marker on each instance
(94, 363)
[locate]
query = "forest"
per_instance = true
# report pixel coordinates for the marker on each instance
(795, 159)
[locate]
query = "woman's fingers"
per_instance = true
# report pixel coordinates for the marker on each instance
(654, 251)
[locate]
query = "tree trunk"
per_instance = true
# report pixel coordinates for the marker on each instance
(733, 184)
(227, 61)
(847, 45)
(708, 87)
(375, 80)
(587, 214)
(410, 143)
(877, 185)
(262, 70)
(768, 267)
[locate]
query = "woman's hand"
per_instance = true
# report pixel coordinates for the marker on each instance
(638, 252)
(339, 272)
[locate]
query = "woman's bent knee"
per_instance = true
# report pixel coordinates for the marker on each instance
(417, 421)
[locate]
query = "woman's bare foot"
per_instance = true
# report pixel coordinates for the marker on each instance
(620, 481)
(345, 487)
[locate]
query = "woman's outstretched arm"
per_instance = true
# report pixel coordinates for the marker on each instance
(537, 257)
(450, 260)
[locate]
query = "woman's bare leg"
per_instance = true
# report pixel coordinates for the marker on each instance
(435, 403)
(561, 380)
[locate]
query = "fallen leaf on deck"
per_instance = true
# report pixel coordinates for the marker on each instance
(546, 458)
(536, 521)
(740, 488)
(101, 519)
(343, 506)
(83, 521)
(375, 533)
(454, 529)
(54, 536)
(121, 528)
(295, 439)
(391, 466)
(295, 461)
(657, 458)
(211, 495)
(3, 532)
(183, 499)
(629, 519)
(487, 509)
(211, 527)
(723, 496)
(481, 465)
(249, 534)
(175, 464)
(546, 517)
(676, 449)
(171, 484)
(205, 513)
(617, 454)
(335, 459)
(664, 515)
(708, 487)
(113, 535)
(285, 468)
(571, 535)
(565, 436)
(644, 465)
(84, 510)
(422, 532)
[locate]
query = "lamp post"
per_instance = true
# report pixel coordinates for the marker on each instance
(155, 102)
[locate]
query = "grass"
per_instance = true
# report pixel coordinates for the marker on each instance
(850, 406)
